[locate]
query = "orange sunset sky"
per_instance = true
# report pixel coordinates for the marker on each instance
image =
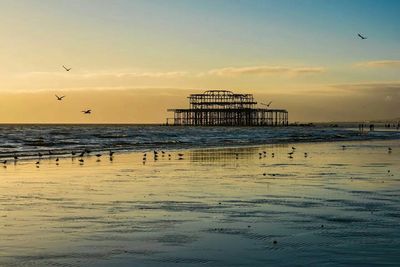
(132, 60)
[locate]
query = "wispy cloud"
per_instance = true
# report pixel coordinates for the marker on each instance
(266, 70)
(380, 64)
(116, 74)
(387, 90)
(168, 74)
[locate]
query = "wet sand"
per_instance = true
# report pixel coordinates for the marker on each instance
(336, 207)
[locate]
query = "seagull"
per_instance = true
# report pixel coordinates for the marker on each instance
(57, 159)
(111, 153)
(270, 102)
(89, 111)
(67, 69)
(81, 161)
(59, 98)
(98, 155)
(5, 162)
(305, 154)
(362, 37)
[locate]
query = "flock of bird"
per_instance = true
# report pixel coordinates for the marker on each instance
(89, 111)
(60, 98)
(74, 154)
(156, 154)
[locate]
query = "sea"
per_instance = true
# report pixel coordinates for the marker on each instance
(26, 141)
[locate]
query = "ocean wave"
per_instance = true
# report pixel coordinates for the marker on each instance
(29, 140)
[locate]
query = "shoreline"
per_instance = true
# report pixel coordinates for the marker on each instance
(32, 154)
(149, 151)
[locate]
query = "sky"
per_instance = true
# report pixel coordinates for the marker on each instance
(132, 60)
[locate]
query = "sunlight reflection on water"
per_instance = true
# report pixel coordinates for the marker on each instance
(217, 207)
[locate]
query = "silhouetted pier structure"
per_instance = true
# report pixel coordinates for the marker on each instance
(225, 108)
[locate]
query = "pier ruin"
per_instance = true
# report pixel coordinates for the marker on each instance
(225, 108)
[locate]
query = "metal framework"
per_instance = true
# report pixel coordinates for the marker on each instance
(225, 108)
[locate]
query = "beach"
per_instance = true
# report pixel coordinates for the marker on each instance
(229, 206)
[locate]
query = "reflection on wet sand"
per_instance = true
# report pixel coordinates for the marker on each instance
(218, 207)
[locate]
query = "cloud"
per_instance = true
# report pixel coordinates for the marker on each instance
(387, 90)
(380, 64)
(266, 70)
(169, 74)
(96, 75)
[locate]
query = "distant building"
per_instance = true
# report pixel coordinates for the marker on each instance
(225, 108)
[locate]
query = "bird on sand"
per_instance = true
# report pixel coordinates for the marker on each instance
(305, 154)
(59, 98)
(67, 69)
(180, 155)
(389, 149)
(88, 111)
(362, 37)
(81, 161)
(4, 162)
(98, 155)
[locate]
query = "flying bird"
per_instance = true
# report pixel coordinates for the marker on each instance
(270, 102)
(89, 111)
(67, 69)
(59, 98)
(362, 36)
